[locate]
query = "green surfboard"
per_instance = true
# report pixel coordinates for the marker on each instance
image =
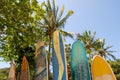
(79, 62)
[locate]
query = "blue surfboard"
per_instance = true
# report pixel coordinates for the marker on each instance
(79, 62)
(58, 58)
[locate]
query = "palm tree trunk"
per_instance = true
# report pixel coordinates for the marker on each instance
(49, 57)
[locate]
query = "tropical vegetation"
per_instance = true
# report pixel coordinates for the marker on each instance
(95, 45)
(115, 67)
(23, 23)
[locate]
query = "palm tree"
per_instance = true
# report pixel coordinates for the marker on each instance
(95, 46)
(52, 21)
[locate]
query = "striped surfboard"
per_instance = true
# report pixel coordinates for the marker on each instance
(41, 62)
(79, 62)
(12, 72)
(58, 58)
(25, 72)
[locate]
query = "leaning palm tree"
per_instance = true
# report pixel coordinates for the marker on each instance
(95, 46)
(52, 21)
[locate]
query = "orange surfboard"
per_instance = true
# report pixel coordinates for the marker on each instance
(25, 72)
(101, 70)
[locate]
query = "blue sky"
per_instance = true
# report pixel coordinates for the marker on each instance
(101, 16)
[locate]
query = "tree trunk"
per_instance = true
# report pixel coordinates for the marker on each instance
(49, 57)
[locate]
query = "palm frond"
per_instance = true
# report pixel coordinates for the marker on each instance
(61, 13)
(54, 8)
(111, 51)
(108, 47)
(103, 43)
(56, 12)
(49, 5)
(62, 21)
(111, 55)
(93, 37)
(66, 34)
(46, 7)
(46, 21)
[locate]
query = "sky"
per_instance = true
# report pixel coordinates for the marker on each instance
(100, 16)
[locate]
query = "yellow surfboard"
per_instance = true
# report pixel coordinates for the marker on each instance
(101, 70)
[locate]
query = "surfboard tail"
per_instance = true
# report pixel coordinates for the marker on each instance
(58, 58)
(12, 72)
(41, 70)
(25, 72)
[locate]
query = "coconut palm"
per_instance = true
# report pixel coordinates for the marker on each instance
(52, 21)
(95, 46)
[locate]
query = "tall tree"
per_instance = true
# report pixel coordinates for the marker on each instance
(19, 29)
(95, 46)
(53, 20)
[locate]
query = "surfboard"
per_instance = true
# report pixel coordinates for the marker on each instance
(58, 58)
(25, 72)
(79, 62)
(101, 70)
(41, 62)
(12, 72)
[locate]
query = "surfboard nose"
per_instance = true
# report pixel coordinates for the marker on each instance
(79, 62)
(101, 70)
